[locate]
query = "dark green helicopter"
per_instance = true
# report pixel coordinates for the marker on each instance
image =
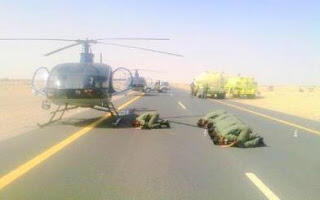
(84, 84)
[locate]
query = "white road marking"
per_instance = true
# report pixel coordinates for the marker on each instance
(295, 133)
(182, 106)
(288, 123)
(262, 187)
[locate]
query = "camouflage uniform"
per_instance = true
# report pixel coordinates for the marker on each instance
(193, 89)
(225, 128)
(150, 120)
(210, 116)
(214, 114)
(202, 91)
(241, 134)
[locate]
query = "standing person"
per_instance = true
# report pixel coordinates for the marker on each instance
(192, 88)
(200, 92)
(203, 91)
(157, 86)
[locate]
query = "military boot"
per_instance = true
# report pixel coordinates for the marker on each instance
(165, 123)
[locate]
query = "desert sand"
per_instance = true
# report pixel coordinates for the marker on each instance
(20, 110)
(301, 101)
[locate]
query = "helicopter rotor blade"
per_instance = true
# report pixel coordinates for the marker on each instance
(62, 48)
(128, 38)
(140, 48)
(40, 39)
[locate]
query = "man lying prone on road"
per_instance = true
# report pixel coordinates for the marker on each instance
(226, 129)
(150, 120)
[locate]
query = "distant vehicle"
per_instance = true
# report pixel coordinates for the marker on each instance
(164, 86)
(212, 83)
(159, 86)
(241, 87)
(156, 86)
(139, 83)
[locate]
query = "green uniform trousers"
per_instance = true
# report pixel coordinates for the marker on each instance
(149, 120)
(232, 129)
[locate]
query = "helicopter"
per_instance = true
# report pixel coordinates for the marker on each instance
(139, 83)
(85, 84)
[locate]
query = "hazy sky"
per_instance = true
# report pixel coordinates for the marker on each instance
(277, 42)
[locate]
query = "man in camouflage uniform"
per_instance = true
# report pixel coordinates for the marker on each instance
(193, 89)
(202, 91)
(150, 120)
(226, 129)
(210, 116)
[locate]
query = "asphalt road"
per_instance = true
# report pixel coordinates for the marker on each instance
(177, 163)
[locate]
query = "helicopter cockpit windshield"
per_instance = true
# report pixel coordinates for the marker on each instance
(75, 76)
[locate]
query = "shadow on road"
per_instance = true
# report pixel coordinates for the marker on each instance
(183, 116)
(126, 122)
(149, 95)
(183, 123)
(144, 110)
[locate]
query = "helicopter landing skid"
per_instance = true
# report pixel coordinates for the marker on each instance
(106, 109)
(54, 113)
(112, 110)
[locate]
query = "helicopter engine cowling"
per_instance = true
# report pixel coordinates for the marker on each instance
(81, 84)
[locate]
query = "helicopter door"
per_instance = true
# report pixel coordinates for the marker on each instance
(121, 80)
(39, 81)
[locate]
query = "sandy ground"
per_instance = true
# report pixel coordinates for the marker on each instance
(20, 110)
(290, 100)
(293, 100)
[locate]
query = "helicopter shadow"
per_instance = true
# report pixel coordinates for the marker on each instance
(149, 95)
(126, 122)
(127, 117)
(144, 110)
